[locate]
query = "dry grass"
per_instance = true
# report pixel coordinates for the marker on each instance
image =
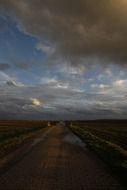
(109, 151)
(14, 133)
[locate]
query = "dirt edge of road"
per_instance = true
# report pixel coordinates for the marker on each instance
(18, 153)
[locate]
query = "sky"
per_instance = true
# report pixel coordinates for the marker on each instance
(62, 60)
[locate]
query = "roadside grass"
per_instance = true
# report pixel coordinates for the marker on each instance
(114, 155)
(113, 131)
(13, 134)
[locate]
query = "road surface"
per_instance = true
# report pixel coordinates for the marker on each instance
(59, 162)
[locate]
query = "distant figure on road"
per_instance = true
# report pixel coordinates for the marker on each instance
(49, 124)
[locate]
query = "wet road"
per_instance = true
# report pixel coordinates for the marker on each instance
(59, 162)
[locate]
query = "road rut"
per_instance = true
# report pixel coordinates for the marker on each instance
(59, 162)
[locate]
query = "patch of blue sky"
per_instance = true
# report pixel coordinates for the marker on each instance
(15, 45)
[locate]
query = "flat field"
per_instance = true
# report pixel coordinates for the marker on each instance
(14, 133)
(113, 131)
(106, 138)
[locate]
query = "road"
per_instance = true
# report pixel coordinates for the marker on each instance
(59, 162)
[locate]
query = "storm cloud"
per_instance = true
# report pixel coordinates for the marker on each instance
(51, 100)
(63, 59)
(76, 29)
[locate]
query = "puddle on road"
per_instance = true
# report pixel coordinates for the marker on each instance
(42, 138)
(72, 139)
(37, 140)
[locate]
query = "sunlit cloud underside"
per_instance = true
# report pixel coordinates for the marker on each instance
(63, 59)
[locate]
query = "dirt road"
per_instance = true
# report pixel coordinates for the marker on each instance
(60, 162)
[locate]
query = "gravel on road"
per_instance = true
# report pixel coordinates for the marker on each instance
(59, 162)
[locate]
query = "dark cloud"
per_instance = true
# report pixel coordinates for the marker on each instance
(59, 103)
(4, 66)
(68, 31)
(11, 83)
(75, 28)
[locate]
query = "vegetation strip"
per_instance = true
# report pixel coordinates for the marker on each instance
(111, 153)
(11, 139)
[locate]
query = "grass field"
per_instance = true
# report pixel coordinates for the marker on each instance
(108, 139)
(13, 133)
